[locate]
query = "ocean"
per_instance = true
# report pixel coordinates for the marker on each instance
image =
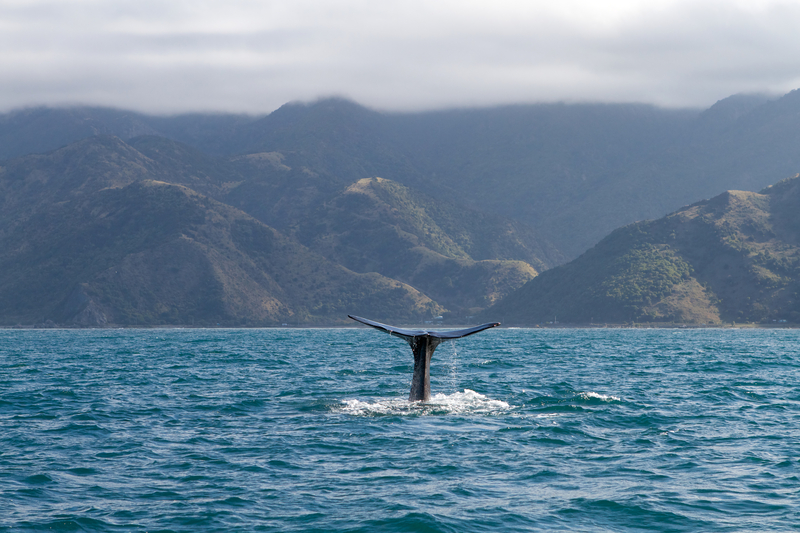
(310, 430)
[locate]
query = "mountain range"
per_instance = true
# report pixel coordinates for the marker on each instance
(322, 209)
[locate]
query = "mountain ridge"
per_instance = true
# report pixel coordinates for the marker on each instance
(574, 172)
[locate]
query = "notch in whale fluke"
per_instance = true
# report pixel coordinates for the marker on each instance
(423, 343)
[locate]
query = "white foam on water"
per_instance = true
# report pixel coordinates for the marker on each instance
(467, 402)
(596, 396)
(380, 407)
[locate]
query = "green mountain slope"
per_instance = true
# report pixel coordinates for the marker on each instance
(460, 258)
(735, 257)
(157, 253)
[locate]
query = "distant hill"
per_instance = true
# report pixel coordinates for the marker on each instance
(735, 257)
(104, 232)
(43, 129)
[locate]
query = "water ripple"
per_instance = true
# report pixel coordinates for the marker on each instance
(309, 430)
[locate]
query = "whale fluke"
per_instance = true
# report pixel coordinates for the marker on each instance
(423, 343)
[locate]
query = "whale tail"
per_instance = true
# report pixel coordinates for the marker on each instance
(423, 343)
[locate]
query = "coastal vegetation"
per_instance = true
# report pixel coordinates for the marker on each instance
(734, 258)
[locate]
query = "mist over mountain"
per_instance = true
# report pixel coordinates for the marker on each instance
(573, 172)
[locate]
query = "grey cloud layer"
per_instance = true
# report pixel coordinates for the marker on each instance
(253, 56)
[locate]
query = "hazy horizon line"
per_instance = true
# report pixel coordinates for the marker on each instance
(768, 95)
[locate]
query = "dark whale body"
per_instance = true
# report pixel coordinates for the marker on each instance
(423, 343)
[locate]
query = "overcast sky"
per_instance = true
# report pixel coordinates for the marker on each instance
(167, 56)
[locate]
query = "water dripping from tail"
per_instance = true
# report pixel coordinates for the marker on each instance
(452, 364)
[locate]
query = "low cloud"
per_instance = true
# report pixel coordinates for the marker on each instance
(253, 56)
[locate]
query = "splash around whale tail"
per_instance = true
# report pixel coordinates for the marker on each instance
(423, 343)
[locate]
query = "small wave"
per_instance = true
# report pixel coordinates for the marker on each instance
(467, 402)
(601, 397)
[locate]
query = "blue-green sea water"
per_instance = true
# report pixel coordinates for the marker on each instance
(310, 430)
